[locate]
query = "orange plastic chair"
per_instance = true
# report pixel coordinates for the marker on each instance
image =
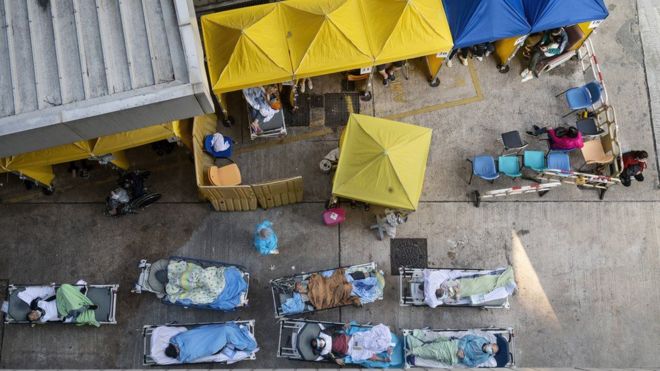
(228, 175)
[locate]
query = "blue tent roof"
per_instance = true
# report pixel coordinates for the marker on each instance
(476, 21)
(548, 14)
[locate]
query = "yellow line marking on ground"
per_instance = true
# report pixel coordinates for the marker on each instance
(285, 140)
(459, 102)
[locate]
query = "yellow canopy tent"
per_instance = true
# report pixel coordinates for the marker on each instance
(292, 39)
(382, 162)
(245, 45)
(406, 29)
(325, 36)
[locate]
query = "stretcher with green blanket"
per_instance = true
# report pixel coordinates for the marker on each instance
(195, 283)
(296, 335)
(427, 348)
(448, 287)
(330, 288)
(68, 300)
(233, 347)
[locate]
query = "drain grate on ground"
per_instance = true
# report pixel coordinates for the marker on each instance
(338, 106)
(407, 252)
(301, 116)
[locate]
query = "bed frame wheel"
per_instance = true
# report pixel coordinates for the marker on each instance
(503, 68)
(48, 190)
(366, 96)
(435, 82)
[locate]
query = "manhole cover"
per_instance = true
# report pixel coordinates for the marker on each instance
(407, 252)
(338, 106)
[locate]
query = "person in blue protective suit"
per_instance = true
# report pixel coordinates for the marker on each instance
(265, 239)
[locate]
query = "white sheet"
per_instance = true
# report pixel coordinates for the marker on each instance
(365, 344)
(160, 339)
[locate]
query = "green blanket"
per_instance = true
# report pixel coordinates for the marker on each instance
(441, 349)
(72, 303)
(485, 284)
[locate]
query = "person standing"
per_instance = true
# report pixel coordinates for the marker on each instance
(265, 239)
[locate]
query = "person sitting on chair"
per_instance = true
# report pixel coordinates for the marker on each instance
(561, 138)
(552, 44)
(387, 72)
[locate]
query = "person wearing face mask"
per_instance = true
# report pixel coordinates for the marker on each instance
(469, 350)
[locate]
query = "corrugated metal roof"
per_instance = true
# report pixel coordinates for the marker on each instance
(69, 53)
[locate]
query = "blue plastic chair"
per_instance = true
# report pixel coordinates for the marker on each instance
(559, 161)
(208, 147)
(534, 160)
(483, 166)
(583, 96)
(509, 166)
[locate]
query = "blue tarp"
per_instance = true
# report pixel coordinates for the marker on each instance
(477, 21)
(544, 15)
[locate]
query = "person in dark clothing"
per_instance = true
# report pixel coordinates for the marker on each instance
(634, 163)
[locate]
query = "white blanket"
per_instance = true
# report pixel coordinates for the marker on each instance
(434, 278)
(160, 339)
(365, 344)
(44, 292)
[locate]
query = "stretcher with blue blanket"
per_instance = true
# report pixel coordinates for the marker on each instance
(195, 283)
(488, 288)
(218, 344)
(103, 296)
(360, 284)
(430, 343)
(296, 336)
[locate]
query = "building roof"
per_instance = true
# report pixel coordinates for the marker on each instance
(72, 70)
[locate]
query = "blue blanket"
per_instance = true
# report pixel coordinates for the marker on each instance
(204, 341)
(396, 358)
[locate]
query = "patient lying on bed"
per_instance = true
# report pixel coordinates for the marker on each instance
(334, 344)
(337, 288)
(228, 342)
(469, 350)
(443, 287)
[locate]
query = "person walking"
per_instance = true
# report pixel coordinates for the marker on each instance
(265, 239)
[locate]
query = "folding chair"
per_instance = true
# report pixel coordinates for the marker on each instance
(483, 166)
(559, 160)
(588, 127)
(513, 141)
(534, 160)
(509, 166)
(582, 97)
(365, 93)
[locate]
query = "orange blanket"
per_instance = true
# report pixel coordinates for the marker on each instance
(330, 292)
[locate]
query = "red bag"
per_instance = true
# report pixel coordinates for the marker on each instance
(334, 216)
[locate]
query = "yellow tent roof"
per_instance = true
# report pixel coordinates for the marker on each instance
(382, 162)
(245, 45)
(134, 138)
(278, 42)
(50, 156)
(325, 36)
(405, 29)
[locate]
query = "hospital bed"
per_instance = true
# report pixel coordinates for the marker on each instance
(411, 291)
(296, 336)
(104, 296)
(153, 278)
(275, 127)
(148, 330)
(503, 336)
(283, 287)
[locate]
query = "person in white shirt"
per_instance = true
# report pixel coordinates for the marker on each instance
(41, 299)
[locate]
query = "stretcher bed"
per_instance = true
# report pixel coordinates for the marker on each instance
(275, 127)
(411, 289)
(503, 336)
(104, 296)
(148, 342)
(283, 288)
(295, 343)
(153, 278)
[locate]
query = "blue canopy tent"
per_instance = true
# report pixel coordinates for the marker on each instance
(474, 22)
(548, 14)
